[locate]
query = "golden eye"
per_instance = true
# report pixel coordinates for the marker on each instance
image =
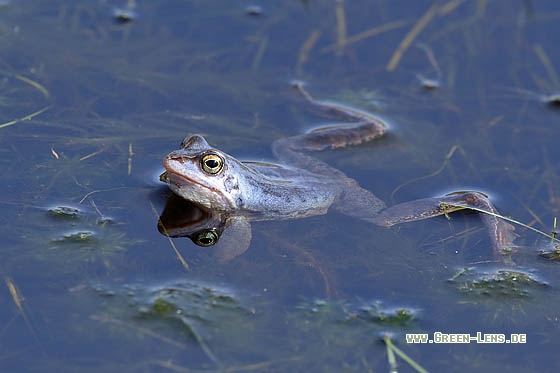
(211, 163)
(206, 238)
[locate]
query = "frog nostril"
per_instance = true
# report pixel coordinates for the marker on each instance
(176, 158)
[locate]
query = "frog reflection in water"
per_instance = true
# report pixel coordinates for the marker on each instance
(300, 185)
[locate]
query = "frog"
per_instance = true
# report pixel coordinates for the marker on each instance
(299, 185)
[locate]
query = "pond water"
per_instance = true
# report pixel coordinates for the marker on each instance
(95, 94)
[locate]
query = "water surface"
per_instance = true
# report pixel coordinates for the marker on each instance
(92, 100)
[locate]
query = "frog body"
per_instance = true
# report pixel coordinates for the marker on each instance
(301, 185)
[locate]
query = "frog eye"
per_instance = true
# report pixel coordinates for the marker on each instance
(206, 238)
(211, 163)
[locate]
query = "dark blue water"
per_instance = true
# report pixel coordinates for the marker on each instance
(91, 101)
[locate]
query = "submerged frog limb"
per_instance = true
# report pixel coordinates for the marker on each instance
(357, 126)
(501, 232)
(358, 202)
(353, 127)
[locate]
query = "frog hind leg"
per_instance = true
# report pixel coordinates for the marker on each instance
(353, 126)
(500, 232)
(358, 202)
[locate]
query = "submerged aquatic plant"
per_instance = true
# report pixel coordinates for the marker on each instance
(91, 239)
(340, 324)
(498, 284)
(193, 313)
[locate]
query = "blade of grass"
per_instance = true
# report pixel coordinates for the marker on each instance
(179, 256)
(367, 34)
(18, 301)
(402, 355)
(27, 117)
(34, 84)
(501, 217)
(340, 27)
(418, 28)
